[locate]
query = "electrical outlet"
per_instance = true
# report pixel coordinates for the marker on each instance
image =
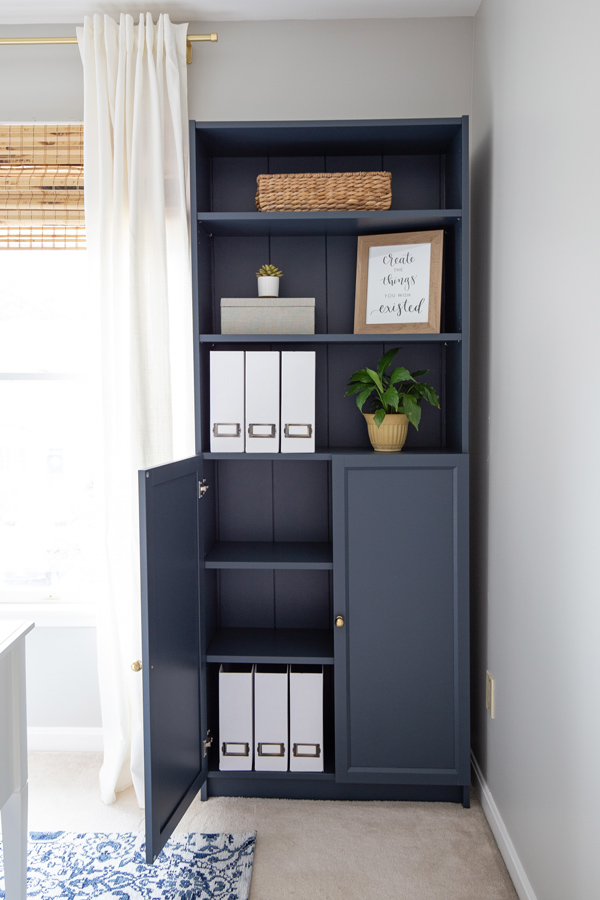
(489, 694)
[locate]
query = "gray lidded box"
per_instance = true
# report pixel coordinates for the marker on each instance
(267, 315)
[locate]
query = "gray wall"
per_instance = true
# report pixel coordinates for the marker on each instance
(536, 378)
(355, 69)
(45, 80)
(274, 70)
(257, 70)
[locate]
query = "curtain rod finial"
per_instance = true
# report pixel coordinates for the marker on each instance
(198, 37)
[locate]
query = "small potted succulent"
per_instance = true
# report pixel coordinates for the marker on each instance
(396, 403)
(268, 280)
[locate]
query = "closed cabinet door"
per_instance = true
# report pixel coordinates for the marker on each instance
(401, 646)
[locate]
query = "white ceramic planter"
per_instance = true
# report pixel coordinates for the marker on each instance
(268, 286)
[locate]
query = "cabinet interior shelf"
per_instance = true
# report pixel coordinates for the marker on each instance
(302, 646)
(338, 222)
(445, 338)
(270, 555)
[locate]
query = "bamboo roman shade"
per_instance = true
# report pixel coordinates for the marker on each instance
(41, 186)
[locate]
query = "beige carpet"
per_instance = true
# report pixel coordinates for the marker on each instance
(306, 850)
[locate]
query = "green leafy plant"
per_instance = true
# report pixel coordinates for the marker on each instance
(269, 270)
(398, 392)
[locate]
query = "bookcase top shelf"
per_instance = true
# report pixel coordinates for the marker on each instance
(340, 137)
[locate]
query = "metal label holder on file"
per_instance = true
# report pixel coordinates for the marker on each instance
(264, 751)
(269, 431)
(300, 431)
(230, 748)
(227, 429)
(307, 750)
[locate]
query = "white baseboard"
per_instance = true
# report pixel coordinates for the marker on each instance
(64, 739)
(505, 845)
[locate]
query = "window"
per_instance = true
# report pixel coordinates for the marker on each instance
(47, 360)
(48, 352)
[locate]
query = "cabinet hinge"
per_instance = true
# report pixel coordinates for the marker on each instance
(207, 742)
(202, 488)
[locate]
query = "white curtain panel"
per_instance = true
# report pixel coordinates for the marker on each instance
(137, 223)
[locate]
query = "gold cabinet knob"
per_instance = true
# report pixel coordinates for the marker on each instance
(339, 621)
(137, 665)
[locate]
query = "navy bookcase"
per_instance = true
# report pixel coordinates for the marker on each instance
(252, 559)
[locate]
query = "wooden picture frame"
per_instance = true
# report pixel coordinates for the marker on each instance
(399, 283)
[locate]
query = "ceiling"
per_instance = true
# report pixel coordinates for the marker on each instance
(23, 12)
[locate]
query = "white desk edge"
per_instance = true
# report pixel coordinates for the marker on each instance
(11, 631)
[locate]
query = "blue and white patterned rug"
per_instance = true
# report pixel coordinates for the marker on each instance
(113, 867)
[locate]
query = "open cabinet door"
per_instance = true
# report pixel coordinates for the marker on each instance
(174, 692)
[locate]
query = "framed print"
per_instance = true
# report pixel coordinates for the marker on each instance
(399, 283)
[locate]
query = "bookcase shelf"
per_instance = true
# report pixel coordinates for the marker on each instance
(445, 338)
(290, 224)
(271, 645)
(269, 555)
(320, 455)
(327, 775)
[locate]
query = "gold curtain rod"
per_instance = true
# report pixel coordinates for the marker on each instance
(73, 40)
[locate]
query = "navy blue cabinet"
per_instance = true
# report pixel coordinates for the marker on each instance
(258, 564)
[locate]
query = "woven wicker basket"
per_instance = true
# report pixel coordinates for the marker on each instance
(322, 191)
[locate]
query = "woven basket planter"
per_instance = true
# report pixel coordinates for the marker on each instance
(324, 191)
